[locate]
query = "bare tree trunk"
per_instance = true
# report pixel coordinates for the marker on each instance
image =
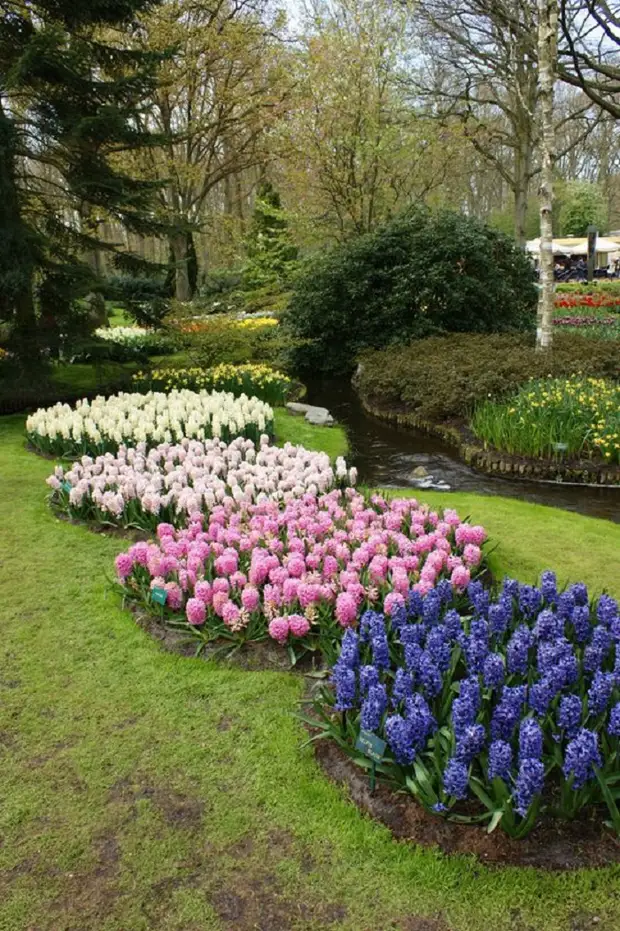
(523, 162)
(183, 291)
(547, 65)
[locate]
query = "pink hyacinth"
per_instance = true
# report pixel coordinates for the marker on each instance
(230, 614)
(346, 609)
(204, 592)
(165, 530)
(298, 625)
(174, 598)
(460, 578)
(278, 629)
(195, 611)
(250, 598)
(124, 566)
(472, 555)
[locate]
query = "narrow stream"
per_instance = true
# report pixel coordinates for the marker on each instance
(386, 455)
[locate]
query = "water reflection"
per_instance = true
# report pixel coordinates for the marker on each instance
(387, 456)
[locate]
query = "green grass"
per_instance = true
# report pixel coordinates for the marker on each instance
(147, 792)
(119, 317)
(294, 429)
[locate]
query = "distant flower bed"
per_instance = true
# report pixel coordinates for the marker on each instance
(546, 418)
(260, 381)
(585, 321)
(140, 487)
(298, 573)
(136, 338)
(492, 710)
(103, 425)
(588, 300)
(248, 323)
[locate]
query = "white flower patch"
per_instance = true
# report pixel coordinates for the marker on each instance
(105, 423)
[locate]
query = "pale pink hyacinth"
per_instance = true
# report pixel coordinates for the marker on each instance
(299, 626)
(313, 557)
(195, 611)
(278, 629)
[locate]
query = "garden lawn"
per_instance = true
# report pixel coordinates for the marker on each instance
(144, 791)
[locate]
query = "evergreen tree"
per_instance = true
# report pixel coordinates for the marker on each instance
(272, 255)
(71, 92)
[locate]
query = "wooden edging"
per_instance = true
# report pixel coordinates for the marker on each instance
(492, 462)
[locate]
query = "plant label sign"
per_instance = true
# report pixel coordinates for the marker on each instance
(159, 595)
(370, 745)
(66, 486)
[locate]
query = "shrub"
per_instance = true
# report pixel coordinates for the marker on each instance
(301, 572)
(144, 298)
(258, 381)
(580, 415)
(422, 273)
(223, 339)
(491, 711)
(443, 377)
(105, 424)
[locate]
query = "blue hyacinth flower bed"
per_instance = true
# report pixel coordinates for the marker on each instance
(493, 708)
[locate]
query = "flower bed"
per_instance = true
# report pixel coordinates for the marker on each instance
(573, 416)
(259, 381)
(301, 573)
(492, 711)
(588, 300)
(139, 339)
(105, 424)
(140, 488)
(585, 321)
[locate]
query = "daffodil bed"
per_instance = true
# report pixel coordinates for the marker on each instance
(259, 381)
(555, 418)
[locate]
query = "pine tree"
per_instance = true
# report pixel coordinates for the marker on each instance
(272, 255)
(71, 91)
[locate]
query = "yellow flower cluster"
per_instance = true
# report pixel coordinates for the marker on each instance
(258, 323)
(254, 380)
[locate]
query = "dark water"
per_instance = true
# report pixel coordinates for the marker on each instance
(387, 455)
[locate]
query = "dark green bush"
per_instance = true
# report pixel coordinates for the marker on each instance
(442, 377)
(144, 298)
(423, 273)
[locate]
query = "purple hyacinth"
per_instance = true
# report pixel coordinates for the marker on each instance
(430, 676)
(613, 726)
(373, 707)
(548, 626)
(542, 694)
(517, 651)
(500, 760)
(470, 691)
(565, 605)
(453, 624)
(507, 712)
(479, 598)
(463, 715)
(413, 657)
(439, 649)
(403, 686)
(599, 693)
(470, 742)
(580, 619)
(606, 610)
(431, 608)
(476, 651)
(493, 672)
(345, 682)
(422, 721)
(415, 604)
(399, 734)
(581, 755)
(549, 586)
(398, 617)
(456, 779)
(445, 591)
(380, 649)
(530, 600)
(530, 740)
(369, 621)
(412, 633)
(499, 618)
(510, 588)
(349, 649)
(530, 781)
(569, 714)
(579, 592)
(369, 676)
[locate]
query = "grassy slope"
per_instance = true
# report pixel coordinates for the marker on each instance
(146, 791)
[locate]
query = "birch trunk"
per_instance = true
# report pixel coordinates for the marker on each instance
(547, 64)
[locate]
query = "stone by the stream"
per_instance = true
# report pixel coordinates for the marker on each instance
(423, 480)
(420, 472)
(317, 416)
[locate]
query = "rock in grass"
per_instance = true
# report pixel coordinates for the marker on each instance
(317, 416)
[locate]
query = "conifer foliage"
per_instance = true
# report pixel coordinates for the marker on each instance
(71, 91)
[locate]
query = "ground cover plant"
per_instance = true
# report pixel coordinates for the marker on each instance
(91, 428)
(140, 488)
(258, 381)
(298, 573)
(441, 378)
(555, 418)
(128, 768)
(512, 701)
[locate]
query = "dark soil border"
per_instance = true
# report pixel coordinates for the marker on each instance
(553, 845)
(494, 462)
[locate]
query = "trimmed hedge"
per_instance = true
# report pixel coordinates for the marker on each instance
(442, 377)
